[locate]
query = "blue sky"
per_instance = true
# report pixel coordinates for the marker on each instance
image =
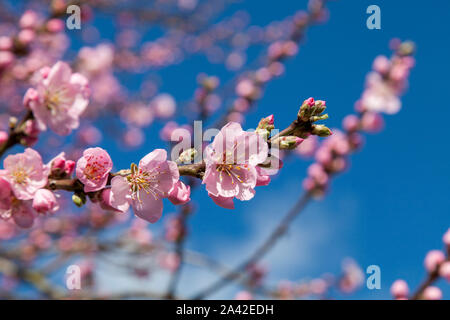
(391, 207)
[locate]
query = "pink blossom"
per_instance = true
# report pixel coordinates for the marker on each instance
(444, 270)
(372, 122)
(26, 173)
(400, 289)
(45, 201)
(3, 137)
(93, 169)
(6, 58)
(243, 295)
(63, 97)
(11, 207)
(381, 64)
(380, 97)
(351, 123)
(231, 161)
(164, 105)
(224, 202)
(145, 187)
(69, 167)
(96, 60)
(446, 238)
(433, 259)
(263, 176)
(432, 293)
(180, 193)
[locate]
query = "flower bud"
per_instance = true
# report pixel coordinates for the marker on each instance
(45, 201)
(432, 293)
(444, 270)
(180, 193)
(321, 130)
(266, 123)
(59, 163)
(6, 58)
(433, 259)
(446, 238)
(351, 123)
(187, 156)
(79, 199)
(69, 167)
(3, 137)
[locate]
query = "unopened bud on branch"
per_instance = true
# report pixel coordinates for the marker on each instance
(321, 130)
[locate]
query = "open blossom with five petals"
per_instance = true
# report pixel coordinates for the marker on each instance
(59, 99)
(93, 169)
(25, 173)
(231, 161)
(146, 186)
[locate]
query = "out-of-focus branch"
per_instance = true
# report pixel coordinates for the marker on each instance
(261, 251)
(16, 133)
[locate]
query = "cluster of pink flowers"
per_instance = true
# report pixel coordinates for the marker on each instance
(385, 83)
(23, 192)
(437, 264)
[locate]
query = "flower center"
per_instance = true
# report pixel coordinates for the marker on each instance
(143, 180)
(95, 168)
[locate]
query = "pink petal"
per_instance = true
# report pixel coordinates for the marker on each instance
(120, 193)
(223, 202)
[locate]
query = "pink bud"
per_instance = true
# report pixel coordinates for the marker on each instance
(6, 58)
(3, 137)
(30, 96)
(432, 293)
(444, 270)
(399, 289)
(180, 193)
(70, 166)
(243, 295)
(45, 201)
(269, 119)
(59, 163)
(26, 36)
(351, 123)
(433, 259)
(55, 25)
(372, 122)
(381, 64)
(28, 20)
(310, 102)
(6, 43)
